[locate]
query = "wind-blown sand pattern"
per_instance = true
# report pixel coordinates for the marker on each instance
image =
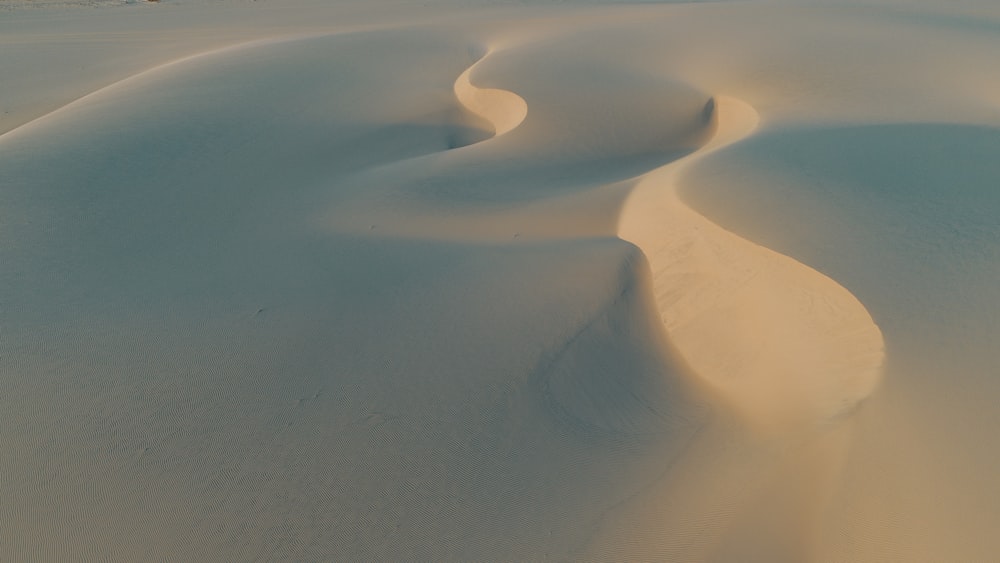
(489, 280)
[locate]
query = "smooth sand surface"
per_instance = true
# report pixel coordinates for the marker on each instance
(492, 280)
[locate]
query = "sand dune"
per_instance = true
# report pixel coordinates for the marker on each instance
(798, 348)
(582, 280)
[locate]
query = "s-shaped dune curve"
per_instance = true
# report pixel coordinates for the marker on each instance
(505, 110)
(783, 343)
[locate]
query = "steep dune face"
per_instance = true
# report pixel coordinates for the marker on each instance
(505, 110)
(791, 352)
(636, 389)
(914, 181)
(786, 344)
(316, 281)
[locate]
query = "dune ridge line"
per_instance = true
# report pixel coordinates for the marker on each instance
(169, 64)
(783, 343)
(504, 109)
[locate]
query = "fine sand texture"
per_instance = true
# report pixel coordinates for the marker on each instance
(497, 280)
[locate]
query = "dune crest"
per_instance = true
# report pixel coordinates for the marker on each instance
(784, 343)
(505, 110)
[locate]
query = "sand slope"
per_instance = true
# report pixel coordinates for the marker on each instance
(787, 345)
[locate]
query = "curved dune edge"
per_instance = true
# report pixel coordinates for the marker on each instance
(136, 78)
(505, 110)
(782, 342)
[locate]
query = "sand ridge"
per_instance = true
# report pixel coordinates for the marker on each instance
(505, 110)
(790, 351)
(798, 347)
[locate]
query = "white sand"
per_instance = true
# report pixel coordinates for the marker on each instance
(499, 281)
